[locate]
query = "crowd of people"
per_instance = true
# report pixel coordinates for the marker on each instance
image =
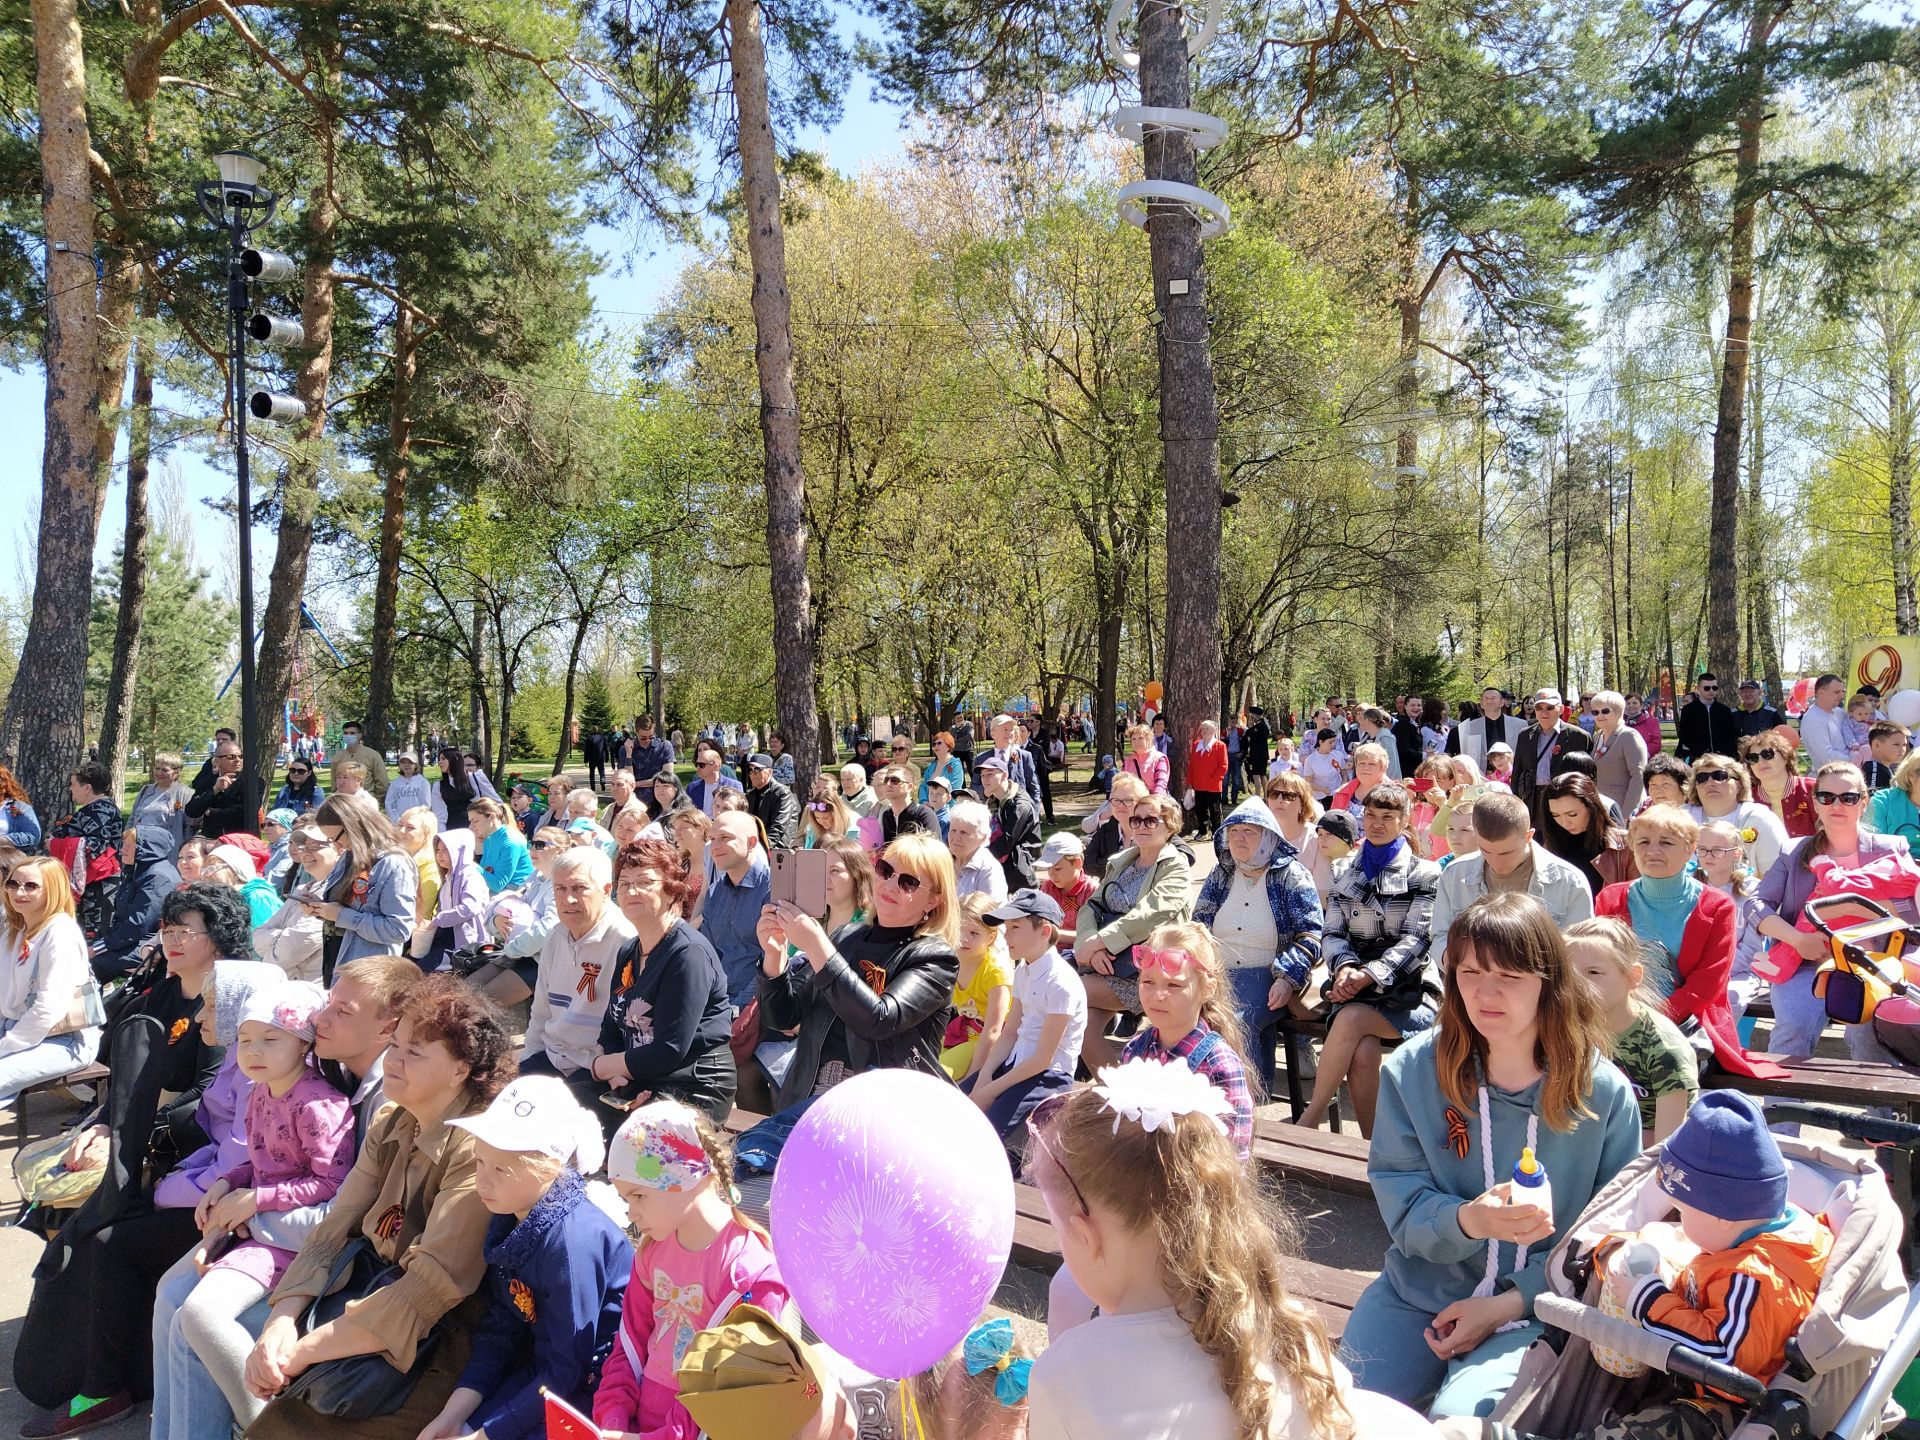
(366, 1054)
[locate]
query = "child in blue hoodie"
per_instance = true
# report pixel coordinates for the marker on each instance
(557, 1265)
(1516, 1060)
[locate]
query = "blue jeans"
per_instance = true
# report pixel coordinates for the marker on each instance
(49, 1060)
(1385, 1346)
(187, 1404)
(758, 1150)
(1236, 778)
(1799, 1017)
(1251, 985)
(1016, 1102)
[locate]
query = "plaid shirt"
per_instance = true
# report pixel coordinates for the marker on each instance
(1219, 1064)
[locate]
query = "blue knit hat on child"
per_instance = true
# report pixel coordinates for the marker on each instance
(1723, 1160)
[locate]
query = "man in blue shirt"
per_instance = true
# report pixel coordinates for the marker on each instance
(742, 886)
(651, 754)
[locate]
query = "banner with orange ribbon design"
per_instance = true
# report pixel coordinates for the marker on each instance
(1886, 662)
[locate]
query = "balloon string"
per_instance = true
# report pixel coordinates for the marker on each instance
(910, 1407)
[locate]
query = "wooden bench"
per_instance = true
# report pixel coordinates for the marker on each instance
(1830, 1080)
(85, 1075)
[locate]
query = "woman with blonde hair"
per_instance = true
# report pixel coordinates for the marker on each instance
(50, 1012)
(1720, 789)
(1107, 826)
(1619, 753)
(1516, 1060)
(826, 816)
(875, 996)
(415, 830)
(1162, 1229)
(1145, 761)
(1290, 798)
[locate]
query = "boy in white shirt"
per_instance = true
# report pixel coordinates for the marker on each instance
(1040, 1043)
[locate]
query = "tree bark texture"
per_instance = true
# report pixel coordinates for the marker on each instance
(1723, 525)
(1906, 616)
(1189, 411)
(393, 523)
(44, 729)
(300, 492)
(793, 632)
(116, 724)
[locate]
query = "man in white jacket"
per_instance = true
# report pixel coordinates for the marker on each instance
(577, 966)
(1823, 727)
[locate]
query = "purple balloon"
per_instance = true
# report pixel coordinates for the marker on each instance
(893, 1218)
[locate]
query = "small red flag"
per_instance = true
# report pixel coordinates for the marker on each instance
(566, 1423)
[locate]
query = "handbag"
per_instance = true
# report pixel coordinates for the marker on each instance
(45, 1182)
(88, 1010)
(1105, 915)
(357, 1387)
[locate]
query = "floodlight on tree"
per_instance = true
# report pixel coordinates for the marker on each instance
(280, 409)
(279, 332)
(1139, 200)
(1123, 10)
(237, 197)
(269, 267)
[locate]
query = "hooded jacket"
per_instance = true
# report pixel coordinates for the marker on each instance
(463, 893)
(1290, 894)
(136, 909)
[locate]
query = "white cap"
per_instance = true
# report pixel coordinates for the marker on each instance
(236, 860)
(1059, 847)
(537, 1115)
(1547, 695)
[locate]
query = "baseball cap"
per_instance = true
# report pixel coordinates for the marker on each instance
(537, 1115)
(760, 760)
(1027, 902)
(1499, 747)
(992, 762)
(1749, 684)
(1059, 847)
(942, 781)
(1547, 695)
(751, 1378)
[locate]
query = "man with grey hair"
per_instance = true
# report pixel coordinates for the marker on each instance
(1018, 762)
(577, 966)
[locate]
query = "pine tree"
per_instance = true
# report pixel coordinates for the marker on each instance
(596, 709)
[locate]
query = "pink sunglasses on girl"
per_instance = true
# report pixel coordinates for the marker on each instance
(1176, 965)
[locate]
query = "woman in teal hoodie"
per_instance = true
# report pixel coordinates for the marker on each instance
(503, 856)
(1515, 1061)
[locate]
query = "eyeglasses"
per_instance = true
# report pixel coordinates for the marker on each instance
(887, 870)
(1144, 822)
(1714, 852)
(1604, 710)
(1174, 964)
(298, 774)
(176, 933)
(24, 887)
(1848, 798)
(1769, 753)
(1709, 689)
(545, 845)
(1713, 777)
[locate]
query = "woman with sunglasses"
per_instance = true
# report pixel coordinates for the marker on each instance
(1773, 760)
(1619, 753)
(1839, 802)
(945, 764)
(301, 793)
(1721, 790)
(45, 995)
(1145, 886)
(509, 977)
(875, 996)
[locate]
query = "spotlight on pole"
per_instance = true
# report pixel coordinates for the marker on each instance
(280, 331)
(269, 267)
(280, 409)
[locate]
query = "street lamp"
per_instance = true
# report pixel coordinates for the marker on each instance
(646, 678)
(239, 204)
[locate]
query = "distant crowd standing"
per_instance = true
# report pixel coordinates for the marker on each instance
(368, 1045)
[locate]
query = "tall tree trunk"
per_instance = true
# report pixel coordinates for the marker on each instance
(116, 724)
(1723, 535)
(44, 728)
(1189, 408)
(479, 708)
(1406, 452)
(393, 523)
(300, 495)
(582, 622)
(1763, 653)
(1906, 617)
(786, 481)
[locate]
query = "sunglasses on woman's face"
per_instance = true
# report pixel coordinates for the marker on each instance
(887, 870)
(545, 845)
(1848, 798)
(1143, 822)
(819, 807)
(1767, 754)
(1713, 777)
(298, 774)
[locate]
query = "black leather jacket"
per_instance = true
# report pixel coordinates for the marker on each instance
(899, 1027)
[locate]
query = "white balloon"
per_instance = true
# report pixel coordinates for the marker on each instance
(1903, 708)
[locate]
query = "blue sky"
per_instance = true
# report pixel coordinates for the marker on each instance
(636, 280)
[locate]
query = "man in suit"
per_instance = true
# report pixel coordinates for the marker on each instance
(1473, 738)
(1258, 745)
(1406, 735)
(1015, 757)
(1539, 743)
(1706, 726)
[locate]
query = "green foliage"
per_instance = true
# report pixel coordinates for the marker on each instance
(596, 710)
(186, 650)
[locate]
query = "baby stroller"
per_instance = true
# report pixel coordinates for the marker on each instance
(1842, 1365)
(1868, 978)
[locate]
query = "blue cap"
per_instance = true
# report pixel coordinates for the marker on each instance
(1724, 1160)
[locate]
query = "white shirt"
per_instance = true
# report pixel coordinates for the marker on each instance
(981, 875)
(404, 792)
(1243, 926)
(567, 1010)
(1824, 734)
(1043, 987)
(1322, 773)
(1769, 835)
(38, 992)
(1172, 1389)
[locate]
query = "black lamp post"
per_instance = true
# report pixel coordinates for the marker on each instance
(239, 204)
(646, 679)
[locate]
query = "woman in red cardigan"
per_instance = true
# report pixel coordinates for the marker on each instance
(1773, 759)
(1207, 777)
(1689, 928)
